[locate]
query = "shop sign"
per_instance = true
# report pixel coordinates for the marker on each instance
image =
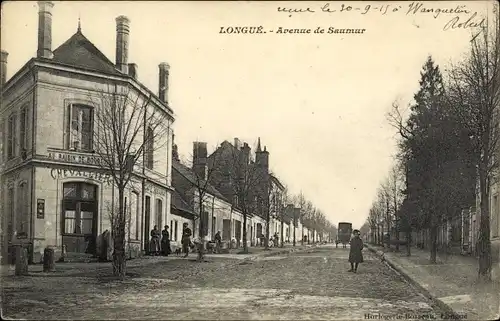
(64, 173)
(75, 158)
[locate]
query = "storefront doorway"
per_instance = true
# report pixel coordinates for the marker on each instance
(79, 217)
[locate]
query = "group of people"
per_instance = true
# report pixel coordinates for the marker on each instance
(160, 241)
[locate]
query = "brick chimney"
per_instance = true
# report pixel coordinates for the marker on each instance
(132, 70)
(122, 40)
(164, 72)
(246, 153)
(237, 143)
(45, 30)
(3, 67)
(200, 164)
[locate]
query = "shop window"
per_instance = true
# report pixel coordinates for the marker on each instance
(22, 211)
(79, 209)
(80, 127)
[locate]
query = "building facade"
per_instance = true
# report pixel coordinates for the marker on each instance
(55, 190)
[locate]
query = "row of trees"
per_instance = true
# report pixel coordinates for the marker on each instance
(447, 148)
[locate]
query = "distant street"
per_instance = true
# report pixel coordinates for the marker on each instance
(313, 284)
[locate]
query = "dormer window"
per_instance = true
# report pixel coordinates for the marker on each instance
(80, 128)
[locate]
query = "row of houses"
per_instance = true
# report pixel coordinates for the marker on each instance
(54, 191)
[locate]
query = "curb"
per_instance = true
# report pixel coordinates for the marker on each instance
(399, 270)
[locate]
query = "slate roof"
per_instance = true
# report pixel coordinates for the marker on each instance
(78, 51)
(188, 173)
(179, 204)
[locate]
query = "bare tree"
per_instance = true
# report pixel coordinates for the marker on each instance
(474, 91)
(203, 172)
(300, 202)
(245, 177)
(128, 129)
(269, 194)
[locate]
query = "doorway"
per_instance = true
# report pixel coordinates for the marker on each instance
(147, 223)
(79, 217)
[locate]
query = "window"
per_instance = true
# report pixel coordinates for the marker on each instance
(80, 127)
(172, 230)
(135, 215)
(10, 226)
(23, 128)
(11, 137)
(176, 229)
(159, 213)
(148, 148)
(22, 211)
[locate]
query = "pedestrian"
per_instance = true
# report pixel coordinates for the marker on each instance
(355, 254)
(218, 242)
(154, 247)
(186, 239)
(165, 241)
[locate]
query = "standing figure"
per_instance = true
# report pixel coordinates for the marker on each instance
(154, 247)
(165, 241)
(218, 242)
(355, 254)
(186, 239)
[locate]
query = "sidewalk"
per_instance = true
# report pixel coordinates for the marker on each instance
(70, 268)
(451, 282)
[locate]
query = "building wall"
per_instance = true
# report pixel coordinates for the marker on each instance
(46, 134)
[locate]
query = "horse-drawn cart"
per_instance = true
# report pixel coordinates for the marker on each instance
(344, 232)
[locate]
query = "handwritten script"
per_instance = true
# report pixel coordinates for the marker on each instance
(455, 16)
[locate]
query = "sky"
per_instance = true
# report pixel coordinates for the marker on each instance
(317, 101)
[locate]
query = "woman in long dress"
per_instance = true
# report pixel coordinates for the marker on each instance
(355, 254)
(165, 241)
(154, 247)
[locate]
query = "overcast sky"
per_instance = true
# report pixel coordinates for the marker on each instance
(318, 101)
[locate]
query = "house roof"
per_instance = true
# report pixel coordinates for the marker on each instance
(78, 51)
(188, 173)
(179, 203)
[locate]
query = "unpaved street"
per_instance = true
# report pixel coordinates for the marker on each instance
(305, 285)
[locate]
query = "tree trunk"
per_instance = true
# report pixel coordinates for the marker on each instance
(201, 232)
(266, 240)
(397, 235)
(293, 233)
(484, 242)
(245, 245)
(282, 237)
(433, 240)
(408, 242)
(119, 262)
(302, 238)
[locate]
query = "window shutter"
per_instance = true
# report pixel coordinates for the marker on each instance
(66, 128)
(3, 139)
(14, 135)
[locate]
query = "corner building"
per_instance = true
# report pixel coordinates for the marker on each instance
(53, 191)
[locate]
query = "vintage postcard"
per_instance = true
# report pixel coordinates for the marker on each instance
(250, 160)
